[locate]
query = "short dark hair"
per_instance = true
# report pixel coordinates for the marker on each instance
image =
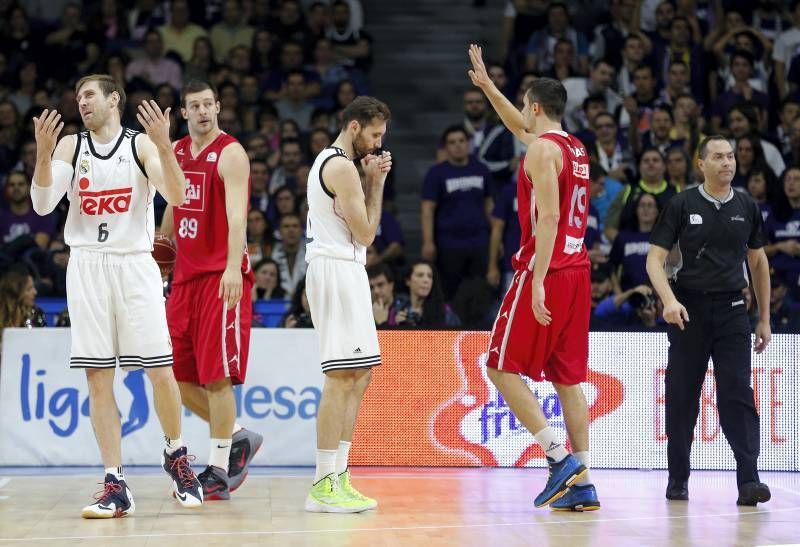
(596, 171)
(650, 149)
(743, 54)
(364, 109)
(284, 142)
(551, 96)
(594, 98)
(648, 68)
(453, 129)
(380, 269)
(665, 108)
(108, 85)
(196, 86)
(630, 37)
(703, 147)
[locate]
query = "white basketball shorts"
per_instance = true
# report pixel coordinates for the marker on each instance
(116, 310)
(341, 309)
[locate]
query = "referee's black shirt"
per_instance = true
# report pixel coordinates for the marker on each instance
(713, 237)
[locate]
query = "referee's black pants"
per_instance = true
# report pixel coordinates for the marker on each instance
(720, 329)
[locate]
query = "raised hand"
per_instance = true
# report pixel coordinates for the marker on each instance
(46, 129)
(478, 74)
(155, 122)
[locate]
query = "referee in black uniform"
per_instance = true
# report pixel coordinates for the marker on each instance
(716, 229)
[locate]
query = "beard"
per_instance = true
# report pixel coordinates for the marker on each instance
(360, 147)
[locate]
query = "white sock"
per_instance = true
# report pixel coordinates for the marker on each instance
(583, 457)
(220, 453)
(173, 444)
(326, 464)
(236, 429)
(341, 456)
(553, 448)
(117, 472)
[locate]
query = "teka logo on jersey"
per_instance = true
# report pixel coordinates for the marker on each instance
(104, 202)
(478, 422)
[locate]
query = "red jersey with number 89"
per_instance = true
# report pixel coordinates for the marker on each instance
(201, 223)
(573, 195)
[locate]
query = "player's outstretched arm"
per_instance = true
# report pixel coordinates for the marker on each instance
(53, 169)
(155, 151)
(362, 213)
(234, 168)
(509, 114)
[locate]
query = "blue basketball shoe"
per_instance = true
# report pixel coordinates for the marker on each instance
(580, 497)
(563, 474)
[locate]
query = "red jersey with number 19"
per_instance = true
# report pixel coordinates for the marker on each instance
(201, 223)
(573, 190)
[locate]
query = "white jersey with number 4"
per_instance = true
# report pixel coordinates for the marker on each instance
(327, 233)
(111, 200)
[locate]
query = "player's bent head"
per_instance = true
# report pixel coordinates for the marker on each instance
(105, 84)
(550, 95)
(365, 120)
(366, 111)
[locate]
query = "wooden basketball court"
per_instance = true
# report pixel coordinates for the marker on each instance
(426, 507)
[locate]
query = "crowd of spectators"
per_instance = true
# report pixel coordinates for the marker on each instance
(646, 81)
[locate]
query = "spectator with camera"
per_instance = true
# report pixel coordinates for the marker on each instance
(784, 311)
(634, 309)
(299, 314)
(423, 306)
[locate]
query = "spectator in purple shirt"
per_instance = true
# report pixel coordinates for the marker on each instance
(19, 218)
(742, 65)
(389, 239)
(505, 237)
(456, 204)
(783, 230)
(629, 252)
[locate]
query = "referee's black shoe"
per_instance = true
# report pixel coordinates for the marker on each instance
(752, 493)
(677, 490)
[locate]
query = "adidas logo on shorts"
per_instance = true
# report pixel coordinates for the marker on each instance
(357, 350)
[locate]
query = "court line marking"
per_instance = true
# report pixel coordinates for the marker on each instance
(788, 490)
(396, 528)
(4, 481)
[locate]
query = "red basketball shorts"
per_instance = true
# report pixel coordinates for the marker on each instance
(558, 352)
(209, 341)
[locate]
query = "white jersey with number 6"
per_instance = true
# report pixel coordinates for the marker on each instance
(111, 200)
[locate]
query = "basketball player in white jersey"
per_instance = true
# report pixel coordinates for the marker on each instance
(110, 175)
(342, 222)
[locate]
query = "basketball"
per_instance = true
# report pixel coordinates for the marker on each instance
(164, 253)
